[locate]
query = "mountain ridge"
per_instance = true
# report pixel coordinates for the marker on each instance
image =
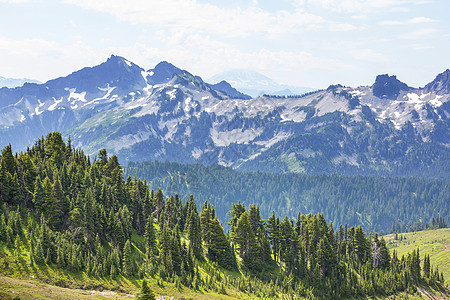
(166, 113)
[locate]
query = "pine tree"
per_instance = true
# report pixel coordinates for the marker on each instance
(237, 210)
(39, 257)
(8, 162)
(38, 195)
(3, 233)
(362, 246)
(17, 244)
(274, 236)
(127, 259)
(150, 237)
(245, 239)
(194, 233)
(145, 293)
(60, 201)
(205, 224)
(426, 266)
(50, 204)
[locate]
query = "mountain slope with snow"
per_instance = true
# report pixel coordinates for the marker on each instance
(169, 114)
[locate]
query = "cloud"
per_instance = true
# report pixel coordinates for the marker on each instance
(13, 1)
(199, 54)
(392, 23)
(368, 55)
(190, 15)
(422, 47)
(361, 6)
(421, 33)
(343, 27)
(205, 56)
(417, 20)
(420, 20)
(42, 59)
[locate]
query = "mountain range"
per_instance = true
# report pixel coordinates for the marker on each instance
(15, 82)
(169, 114)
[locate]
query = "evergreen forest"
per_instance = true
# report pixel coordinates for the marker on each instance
(71, 212)
(381, 204)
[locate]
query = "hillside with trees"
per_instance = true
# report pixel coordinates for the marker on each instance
(75, 221)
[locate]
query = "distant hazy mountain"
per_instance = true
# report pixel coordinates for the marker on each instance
(169, 114)
(15, 82)
(256, 84)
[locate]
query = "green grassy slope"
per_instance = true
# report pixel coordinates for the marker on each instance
(19, 278)
(435, 243)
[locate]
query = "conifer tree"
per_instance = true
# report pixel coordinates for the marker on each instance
(426, 266)
(145, 293)
(246, 241)
(127, 259)
(194, 232)
(273, 231)
(362, 247)
(237, 210)
(17, 244)
(150, 237)
(8, 162)
(3, 228)
(38, 195)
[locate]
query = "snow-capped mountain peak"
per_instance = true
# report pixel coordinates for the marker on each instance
(167, 113)
(256, 84)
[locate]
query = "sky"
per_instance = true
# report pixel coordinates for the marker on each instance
(312, 43)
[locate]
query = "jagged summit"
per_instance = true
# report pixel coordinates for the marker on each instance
(389, 87)
(115, 71)
(441, 84)
(163, 72)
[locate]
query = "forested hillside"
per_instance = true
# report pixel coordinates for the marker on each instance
(63, 210)
(378, 203)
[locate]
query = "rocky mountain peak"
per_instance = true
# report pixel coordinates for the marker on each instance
(163, 72)
(389, 87)
(441, 84)
(115, 71)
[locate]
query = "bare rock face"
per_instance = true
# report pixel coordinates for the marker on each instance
(441, 84)
(389, 87)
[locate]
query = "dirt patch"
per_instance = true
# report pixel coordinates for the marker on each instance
(428, 295)
(19, 286)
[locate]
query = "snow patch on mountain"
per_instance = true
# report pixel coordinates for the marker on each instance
(53, 106)
(128, 140)
(436, 102)
(351, 160)
(238, 136)
(172, 93)
(279, 136)
(75, 97)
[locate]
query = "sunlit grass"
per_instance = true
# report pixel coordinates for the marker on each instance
(435, 243)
